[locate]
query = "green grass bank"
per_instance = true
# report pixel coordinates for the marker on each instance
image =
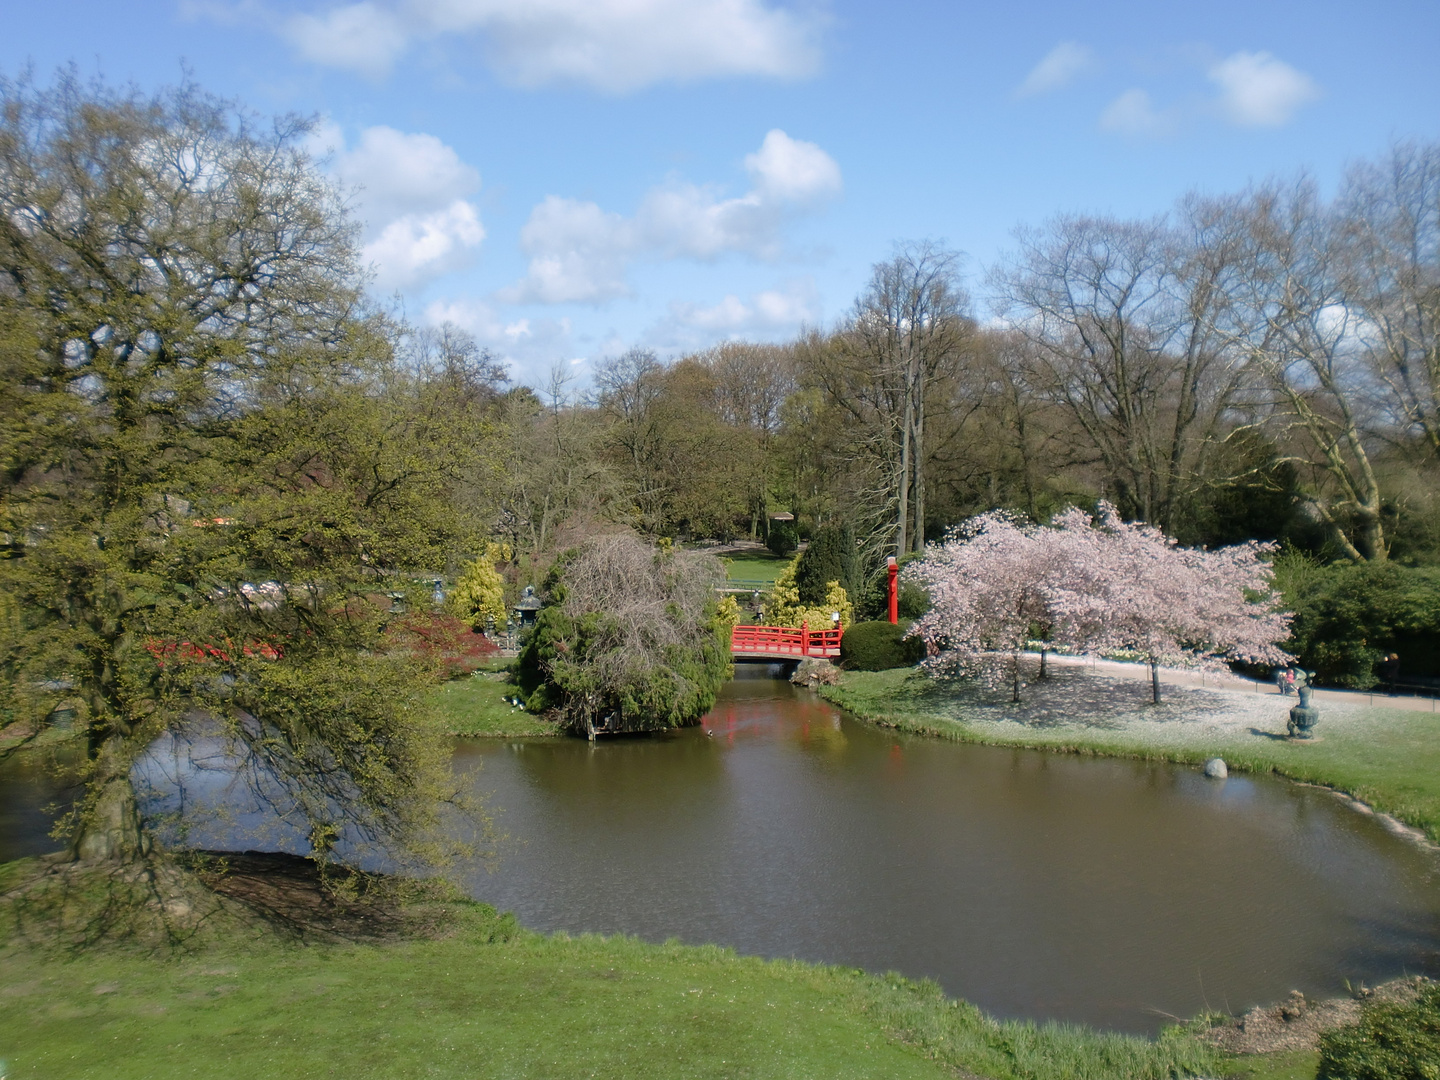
(1387, 757)
(481, 706)
(487, 998)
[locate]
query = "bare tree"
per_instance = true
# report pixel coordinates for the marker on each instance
(1293, 321)
(1121, 320)
(752, 383)
(628, 388)
(906, 328)
(1390, 273)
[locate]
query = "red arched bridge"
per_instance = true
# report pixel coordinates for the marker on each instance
(783, 643)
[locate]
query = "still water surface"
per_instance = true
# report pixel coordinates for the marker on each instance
(1037, 885)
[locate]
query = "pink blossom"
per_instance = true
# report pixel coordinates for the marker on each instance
(1097, 587)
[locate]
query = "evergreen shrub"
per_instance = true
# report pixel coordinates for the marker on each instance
(1349, 616)
(830, 557)
(1393, 1041)
(879, 646)
(782, 539)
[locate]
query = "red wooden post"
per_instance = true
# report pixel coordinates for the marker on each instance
(894, 570)
(805, 638)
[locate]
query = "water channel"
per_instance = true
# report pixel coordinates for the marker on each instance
(1110, 892)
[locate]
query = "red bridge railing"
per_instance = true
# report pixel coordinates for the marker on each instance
(783, 641)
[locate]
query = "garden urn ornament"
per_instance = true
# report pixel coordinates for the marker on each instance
(1304, 715)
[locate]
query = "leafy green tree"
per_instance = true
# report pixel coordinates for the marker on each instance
(212, 465)
(1348, 616)
(633, 639)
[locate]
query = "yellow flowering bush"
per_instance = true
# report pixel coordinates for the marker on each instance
(786, 609)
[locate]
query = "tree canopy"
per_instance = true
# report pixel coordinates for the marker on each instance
(215, 471)
(1098, 587)
(633, 638)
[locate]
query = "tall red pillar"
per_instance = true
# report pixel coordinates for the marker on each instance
(894, 570)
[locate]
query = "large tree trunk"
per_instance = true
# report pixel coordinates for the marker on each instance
(110, 829)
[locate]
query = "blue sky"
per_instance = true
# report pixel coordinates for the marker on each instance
(567, 178)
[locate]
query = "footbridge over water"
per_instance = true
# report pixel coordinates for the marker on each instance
(784, 643)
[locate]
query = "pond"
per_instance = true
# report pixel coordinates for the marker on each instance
(1111, 892)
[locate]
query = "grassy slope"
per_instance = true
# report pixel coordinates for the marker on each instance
(495, 1001)
(1390, 758)
(475, 706)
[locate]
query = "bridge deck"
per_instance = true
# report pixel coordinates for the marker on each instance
(783, 643)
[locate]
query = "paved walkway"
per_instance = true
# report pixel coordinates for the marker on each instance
(1229, 681)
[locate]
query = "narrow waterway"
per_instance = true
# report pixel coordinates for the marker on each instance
(1111, 892)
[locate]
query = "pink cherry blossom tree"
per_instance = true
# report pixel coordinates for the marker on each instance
(1117, 586)
(987, 587)
(1098, 587)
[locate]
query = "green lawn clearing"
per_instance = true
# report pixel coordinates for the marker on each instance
(761, 566)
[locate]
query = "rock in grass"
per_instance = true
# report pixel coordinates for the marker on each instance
(1215, 769)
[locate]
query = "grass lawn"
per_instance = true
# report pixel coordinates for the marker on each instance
(1390, 758)
(761, 566)
(476, 706)
(492, 1000)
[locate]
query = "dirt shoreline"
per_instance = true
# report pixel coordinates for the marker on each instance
(1298, 1022)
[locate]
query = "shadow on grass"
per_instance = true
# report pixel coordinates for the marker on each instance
(1066, 697)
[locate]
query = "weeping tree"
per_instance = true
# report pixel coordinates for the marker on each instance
(212, 464)
(633, 639)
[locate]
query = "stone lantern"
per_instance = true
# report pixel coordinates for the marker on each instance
(527, 609)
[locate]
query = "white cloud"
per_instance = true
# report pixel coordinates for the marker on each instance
(613, 45)
(774, 309)
(578, 252)
(528, 348)
(791, 170)
(405, 173)
(1133, 114)
(361, 37)
(1258, 90)
(1061, 66)
(581, 253)
(411, 198)
(418, 247)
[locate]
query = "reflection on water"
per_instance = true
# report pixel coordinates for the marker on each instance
(1103, 891)
(1110, 892)
(34, 787)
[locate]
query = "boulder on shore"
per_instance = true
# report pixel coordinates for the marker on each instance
(813, 671)
(1215, 769)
